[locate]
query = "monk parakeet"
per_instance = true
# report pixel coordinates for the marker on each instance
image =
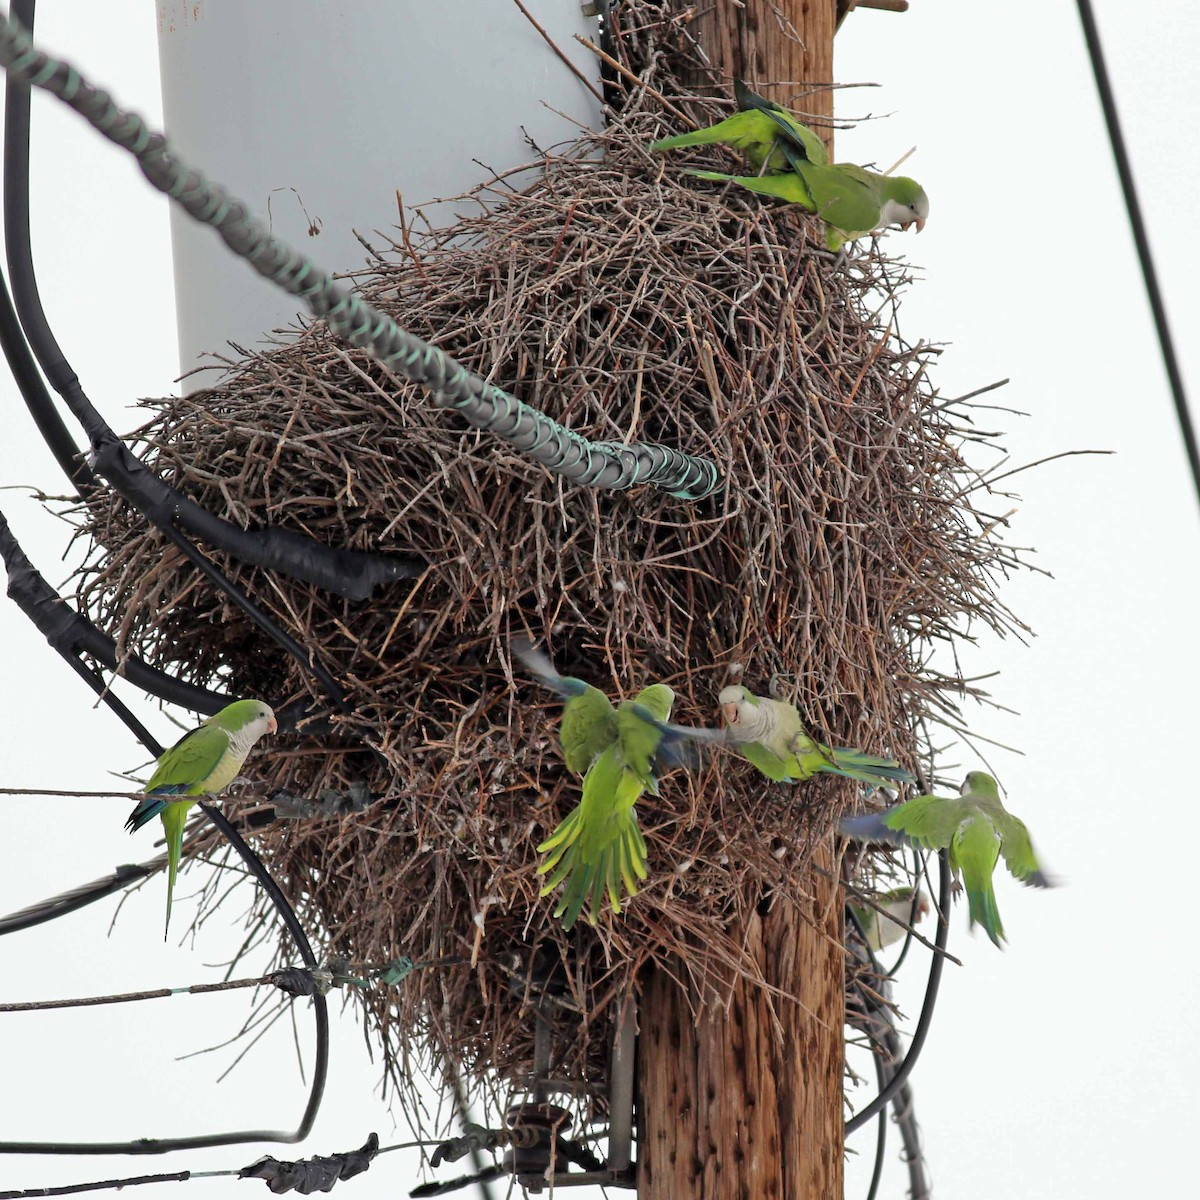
(203, 762)
(760, 130)
(900, 910)
(974, 827)
(621, 752)
(851, 200)
(771, 735)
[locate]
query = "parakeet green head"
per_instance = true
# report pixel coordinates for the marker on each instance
(904, 203)
(980, 782)
(658, 699)
(245, 715)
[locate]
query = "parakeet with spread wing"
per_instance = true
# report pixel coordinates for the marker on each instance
(974, 828)
(621, 751)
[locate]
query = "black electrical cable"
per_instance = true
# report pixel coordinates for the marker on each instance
(123, 877)
(354, 574)
(903, 1071)
(881, 1136)
(1091, 34)
(69, 651)
(61, 625)
(868, 1004)
(41, 407)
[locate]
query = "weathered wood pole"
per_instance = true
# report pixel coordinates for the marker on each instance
(747, 1101)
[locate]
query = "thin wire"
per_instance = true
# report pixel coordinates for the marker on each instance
(124, 876)
(881, 1136)
(1091, 34)
(67, 649)
(903, 1071)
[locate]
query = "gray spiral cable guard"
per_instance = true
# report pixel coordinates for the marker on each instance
(532, 433)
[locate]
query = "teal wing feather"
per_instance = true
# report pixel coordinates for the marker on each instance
(878, 772)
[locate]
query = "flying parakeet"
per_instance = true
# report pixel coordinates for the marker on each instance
(203, 762)
(760, 130)
(887, 927)
(974, 827)
(851, 200)
(621, 751)
(771, 735)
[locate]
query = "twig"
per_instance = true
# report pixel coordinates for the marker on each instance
(587, 83)
(629, 75)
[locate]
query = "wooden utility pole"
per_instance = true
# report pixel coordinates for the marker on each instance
(747, 1101)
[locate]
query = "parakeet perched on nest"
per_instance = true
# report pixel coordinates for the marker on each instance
(771, 735)
(851, 200)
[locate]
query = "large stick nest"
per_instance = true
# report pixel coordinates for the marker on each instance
(628, 301)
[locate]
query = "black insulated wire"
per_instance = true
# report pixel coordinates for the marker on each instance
(1158, 308)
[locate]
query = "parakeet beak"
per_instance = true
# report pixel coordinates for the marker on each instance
(731, 713)
(920, 223)
(272, 725)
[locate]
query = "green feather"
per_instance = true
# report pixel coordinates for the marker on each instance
(975, 829)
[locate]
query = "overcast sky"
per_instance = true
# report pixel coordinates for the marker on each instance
(1065, 1065)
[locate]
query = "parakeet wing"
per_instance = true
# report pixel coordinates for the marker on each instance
(929, 821)
(639, 730)
(678, 745)
(769, 763)
(190, 761)
(589, 721)
(845, 196)
(787, 186)
(791, 132)
(1017, 849)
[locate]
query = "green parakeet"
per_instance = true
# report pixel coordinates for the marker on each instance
(621, 752)
(851, 200)
(759, 130)
(900, 909)
(976, 830)
(771, 735)
(203, 762)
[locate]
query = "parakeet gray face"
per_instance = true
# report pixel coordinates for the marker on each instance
(731, 700)
(903, 215)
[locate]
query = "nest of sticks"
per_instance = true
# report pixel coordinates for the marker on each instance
(629, 301)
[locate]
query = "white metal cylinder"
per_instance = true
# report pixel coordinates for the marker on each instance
(315, 113)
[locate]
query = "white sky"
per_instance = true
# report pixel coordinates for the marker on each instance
(1063, 1066)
